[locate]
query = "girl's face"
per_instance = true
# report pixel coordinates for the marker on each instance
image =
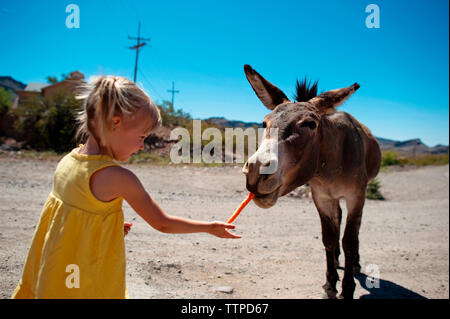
(129, 133)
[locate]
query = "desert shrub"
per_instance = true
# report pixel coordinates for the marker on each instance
(392, 158)
(6, 119)
(27, 114)
(170, 116)
(49, 123)
(373, 190)
(207, 124)
(5, 100)
(58, 126)
(389, 158)
(428, 159)
(148, 157)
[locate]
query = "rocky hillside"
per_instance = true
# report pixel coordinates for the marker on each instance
(223, 122)
(8, 83)
(410, 147)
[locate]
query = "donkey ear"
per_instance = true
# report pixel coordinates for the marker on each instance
(331, 99)
(269, 94)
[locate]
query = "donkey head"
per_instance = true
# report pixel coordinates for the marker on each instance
(288, 155)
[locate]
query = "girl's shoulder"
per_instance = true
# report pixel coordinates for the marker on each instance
(109, 183)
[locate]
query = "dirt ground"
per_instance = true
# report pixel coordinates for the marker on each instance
(404, 240)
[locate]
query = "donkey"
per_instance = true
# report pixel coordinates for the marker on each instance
(328, 149)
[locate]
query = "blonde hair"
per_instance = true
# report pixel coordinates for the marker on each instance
(108, 96)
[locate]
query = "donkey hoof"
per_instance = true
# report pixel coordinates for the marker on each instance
(330, 291)
(341, 296)
(347, 291)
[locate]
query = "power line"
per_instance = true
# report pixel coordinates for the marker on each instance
(151, 86)
(137, 47)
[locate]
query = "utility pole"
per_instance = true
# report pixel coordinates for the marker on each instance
(173, 91)
(137, 46)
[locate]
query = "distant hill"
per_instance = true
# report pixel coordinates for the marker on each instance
(406, 148)
(9, 83)
(221, 121)
(410, 147)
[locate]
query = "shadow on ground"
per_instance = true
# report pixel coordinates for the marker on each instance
(384, 289)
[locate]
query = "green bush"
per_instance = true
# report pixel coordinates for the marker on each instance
(148, 157)
(373, 190)
(389, 158)
(27, 114)
(5, 101)
(170, 116)
(428, 159)
(49, 123)
(58, 126)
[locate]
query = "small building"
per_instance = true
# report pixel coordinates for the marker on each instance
(31, 92)
(35, 90)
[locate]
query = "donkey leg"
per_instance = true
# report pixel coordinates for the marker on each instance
(350, 244)
(357, 265)
(328, 210)
(338, 220)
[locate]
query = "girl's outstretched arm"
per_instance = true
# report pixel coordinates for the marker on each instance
(119, 181)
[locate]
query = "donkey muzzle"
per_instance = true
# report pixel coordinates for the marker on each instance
(257, 181)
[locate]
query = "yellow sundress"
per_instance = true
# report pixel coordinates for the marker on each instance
(78, 248)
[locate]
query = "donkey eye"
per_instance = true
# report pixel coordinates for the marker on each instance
(287, 132)
(264, 124)
(309, 124)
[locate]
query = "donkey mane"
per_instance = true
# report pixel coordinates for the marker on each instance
(305, 91)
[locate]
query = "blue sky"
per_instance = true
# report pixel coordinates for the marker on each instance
(402, 67)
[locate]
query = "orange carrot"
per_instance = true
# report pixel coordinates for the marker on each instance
(241, 207)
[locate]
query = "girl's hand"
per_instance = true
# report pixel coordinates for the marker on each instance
(127, 227)
(219, 229)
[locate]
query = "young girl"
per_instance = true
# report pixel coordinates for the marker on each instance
(78, 248)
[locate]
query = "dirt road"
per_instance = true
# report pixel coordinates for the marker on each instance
(404, 240)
